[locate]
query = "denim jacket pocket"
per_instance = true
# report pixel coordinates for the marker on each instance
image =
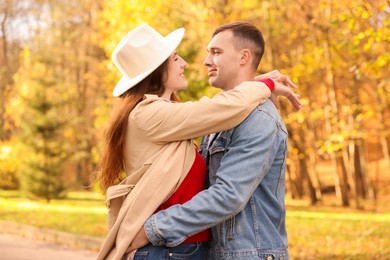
(186, 251)
(230, 228)
(216, 152)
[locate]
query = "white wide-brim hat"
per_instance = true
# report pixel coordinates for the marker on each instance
(140, 52)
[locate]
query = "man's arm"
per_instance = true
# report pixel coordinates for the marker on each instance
(242, 168)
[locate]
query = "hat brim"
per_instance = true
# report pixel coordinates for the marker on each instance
(173, 40)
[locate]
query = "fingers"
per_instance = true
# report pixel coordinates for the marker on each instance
(275, 74)
(294, 99)
(283, 86)
(290, 83)
(132, 248)
(286, 81)
(284, 90)
(131, 255)
(128, 250)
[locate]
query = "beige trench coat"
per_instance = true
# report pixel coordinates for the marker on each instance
(159, 153)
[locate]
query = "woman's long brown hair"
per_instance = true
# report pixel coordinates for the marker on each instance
(112, 160)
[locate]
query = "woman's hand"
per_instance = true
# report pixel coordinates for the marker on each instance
(283, 87)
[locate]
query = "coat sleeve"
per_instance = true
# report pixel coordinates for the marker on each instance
(251, 152)
(164, 121)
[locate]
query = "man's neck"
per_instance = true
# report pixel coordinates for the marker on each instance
(241, 78)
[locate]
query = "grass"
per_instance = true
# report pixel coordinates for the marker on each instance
(320, 232)
(80, 213)
(326, 235)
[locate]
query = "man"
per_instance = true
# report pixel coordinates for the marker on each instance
(244, 205)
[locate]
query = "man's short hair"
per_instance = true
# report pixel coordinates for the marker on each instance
(246, 36)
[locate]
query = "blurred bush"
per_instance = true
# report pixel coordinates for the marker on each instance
(9, 166)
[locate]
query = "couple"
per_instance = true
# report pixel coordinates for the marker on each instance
(225, 201)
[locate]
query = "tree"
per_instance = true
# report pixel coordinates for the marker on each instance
(11, 13)
(336, 51)
(42, 126)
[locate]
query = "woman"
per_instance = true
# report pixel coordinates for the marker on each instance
(149, 138)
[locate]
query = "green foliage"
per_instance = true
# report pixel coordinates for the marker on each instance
(9, 166)
(336, 52)
(42, 127)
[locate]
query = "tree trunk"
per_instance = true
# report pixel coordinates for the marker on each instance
(385, 150)
(381, 113)
(307, 171)
(5, 71)
(359, 180)
(369, 191)
(300, 179)
(291, 175)
(353, 186)
(343, 179)
(313, 175)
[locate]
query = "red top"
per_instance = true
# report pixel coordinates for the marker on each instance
(192, 184)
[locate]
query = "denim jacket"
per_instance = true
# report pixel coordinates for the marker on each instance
(244, 204)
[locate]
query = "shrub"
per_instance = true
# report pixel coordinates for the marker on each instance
(9, 167)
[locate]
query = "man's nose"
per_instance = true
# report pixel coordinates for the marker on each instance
(207, 62)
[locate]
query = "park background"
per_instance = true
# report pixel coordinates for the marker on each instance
(56, 80)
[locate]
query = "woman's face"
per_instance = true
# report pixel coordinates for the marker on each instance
(175, 79)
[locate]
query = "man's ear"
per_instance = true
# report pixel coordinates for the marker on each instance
(246, 56)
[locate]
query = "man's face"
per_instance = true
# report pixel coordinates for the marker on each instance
(223, 61)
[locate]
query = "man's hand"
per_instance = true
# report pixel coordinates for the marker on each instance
(139, 240)
(283, 87)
